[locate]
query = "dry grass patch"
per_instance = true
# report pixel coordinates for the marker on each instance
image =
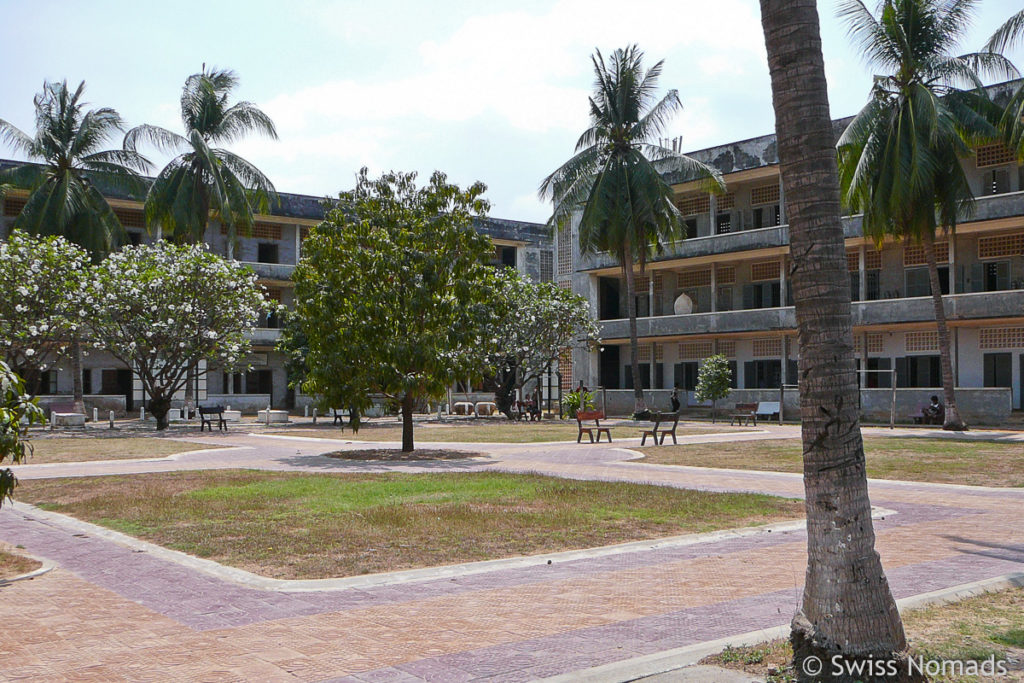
(490, 432)
(84, 448)
(395, 455)
(973, 629)
(291, 525)
(949, 461)
(12, 564)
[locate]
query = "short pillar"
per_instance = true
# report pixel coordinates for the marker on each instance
(305, 410)
(95, 414)
(142, 413)
(314, 415)
(111, 419)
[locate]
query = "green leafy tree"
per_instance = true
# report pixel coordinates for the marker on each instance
(575, 401)
(71, 179)
(613, 181)
(714, 381)
(847, 609)
(163, 309)
(203, 178)
(394, 294)
(43, 299)
(18, 412)
(537, 321)
(900, 157)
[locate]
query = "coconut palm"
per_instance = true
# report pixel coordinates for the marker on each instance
(72, 175)
(612, 181)
(899, 159)
(1007, 36)
(847, 607)
(205, 179)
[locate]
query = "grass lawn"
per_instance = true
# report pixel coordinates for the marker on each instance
(12, 565)
(291, 525)
(972, 629)
(494, 432)
(80, 449)
(977, 463)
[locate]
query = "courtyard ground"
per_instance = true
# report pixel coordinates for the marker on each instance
(114, 608)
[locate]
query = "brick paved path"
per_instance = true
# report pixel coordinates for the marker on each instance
(111, 613)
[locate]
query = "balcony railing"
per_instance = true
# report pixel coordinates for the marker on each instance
(271, 271)
(977, 306)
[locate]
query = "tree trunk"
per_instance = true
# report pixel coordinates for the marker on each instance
(159, 406)
(408, 403)
(713, 410)
(847, 606)
(190, 392)
(638, 388)
(76, 375)
(952, 416)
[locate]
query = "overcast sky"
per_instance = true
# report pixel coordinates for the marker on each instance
(491, 91)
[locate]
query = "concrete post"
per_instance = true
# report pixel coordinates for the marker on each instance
(305, 410)
(713, 214)
(783, 299)
(142, 413)
(111, 419)
(862, 292)
(782, 203)
(714, 288)
(952, 264)
(95, 414)
(314, 415)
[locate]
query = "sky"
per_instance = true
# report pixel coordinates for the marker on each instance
(481, 90)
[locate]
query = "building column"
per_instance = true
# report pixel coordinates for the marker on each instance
(952, 264)
(654, 366)
(783, 299)
(298, 244)
(714, 289)
(713, 214)
(782, 202)
(785, 359)
(863, 345)
(650, 294)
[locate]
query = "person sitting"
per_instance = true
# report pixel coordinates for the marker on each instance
(674, 400)
(935, 413)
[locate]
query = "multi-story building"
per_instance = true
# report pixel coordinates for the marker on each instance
(724, 290)
(272, 250)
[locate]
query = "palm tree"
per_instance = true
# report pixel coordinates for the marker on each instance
(67, 186)
(847, 605)
(203, 178)
(899, 158)
(626, 208)
(1012, 121)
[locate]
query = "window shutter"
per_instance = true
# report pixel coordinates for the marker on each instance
(748, 296)
(902, 381)
(977, 277)
(749, 375)
(677, 375)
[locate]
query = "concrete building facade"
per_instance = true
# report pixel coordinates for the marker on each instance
(724, 290)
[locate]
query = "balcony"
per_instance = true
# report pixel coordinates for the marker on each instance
(978, 306)
(991, 207)
(271, 271)
(265, 336)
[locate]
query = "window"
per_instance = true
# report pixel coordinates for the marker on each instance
(547, 270)
(724, 302)
(134, 237)
(918, 371)
(998, 369)
(762, 374)
(767, 216)
(232, 383)
(686, 376)
(996, 276)
(505, 256)
(266, 253)
(918, 285)
(645, 375)
(995, 182)
(762, 295)
(48, 382)
(878, 380)
(872, 277)
(86, 381)
(723, 223)
(691, 227)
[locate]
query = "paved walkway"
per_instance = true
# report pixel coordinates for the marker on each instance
(111, 612)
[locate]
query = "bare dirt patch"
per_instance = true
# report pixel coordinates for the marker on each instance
(395, 455)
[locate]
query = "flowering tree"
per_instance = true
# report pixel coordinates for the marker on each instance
(163, 308)
(393, 293)
(538, 321)
(44, 299)
(15, 406)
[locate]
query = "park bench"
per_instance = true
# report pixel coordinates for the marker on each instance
(206, 413)
(744, 413)
(339, 417)
(659, 420)
(595, 415)
(769, 409)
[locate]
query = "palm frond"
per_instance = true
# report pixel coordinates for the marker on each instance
(162, 139)
(1007, 35)
(13, 137)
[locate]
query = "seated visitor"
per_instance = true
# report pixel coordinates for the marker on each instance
(935, 413)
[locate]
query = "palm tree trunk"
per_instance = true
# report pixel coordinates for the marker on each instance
(77, 393)
(847, 606)
(638, 388)
(952, 419)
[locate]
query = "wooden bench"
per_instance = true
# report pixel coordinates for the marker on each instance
(596, 416)
(206, 413)
(769, 409)
(660, 419)
(744, 413)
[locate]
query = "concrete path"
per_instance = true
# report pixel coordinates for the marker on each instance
(113, 612)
